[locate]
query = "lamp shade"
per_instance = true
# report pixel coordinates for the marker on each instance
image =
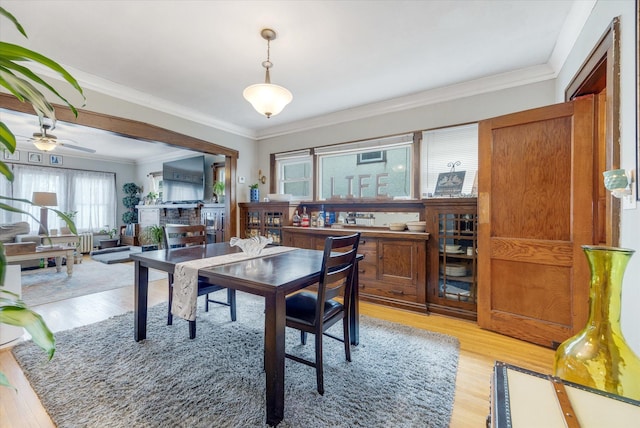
(267, 99)
(45, 199)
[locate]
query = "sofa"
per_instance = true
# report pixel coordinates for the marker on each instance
(20, 232)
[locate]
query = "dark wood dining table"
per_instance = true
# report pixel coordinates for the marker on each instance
(272, 277)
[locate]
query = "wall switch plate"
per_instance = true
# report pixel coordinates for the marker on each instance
(629, 201)
(240, 179)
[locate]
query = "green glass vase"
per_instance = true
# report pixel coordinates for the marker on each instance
(598, 356)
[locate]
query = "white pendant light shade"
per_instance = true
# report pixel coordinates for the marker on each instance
(267, 99)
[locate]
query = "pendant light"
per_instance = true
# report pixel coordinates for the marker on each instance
(266, 98)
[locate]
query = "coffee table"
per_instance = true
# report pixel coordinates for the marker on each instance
(57, 252)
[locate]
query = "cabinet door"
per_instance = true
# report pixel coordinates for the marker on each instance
(536, 198)
(397, 262)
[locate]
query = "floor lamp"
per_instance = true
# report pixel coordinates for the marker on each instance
(44, 199)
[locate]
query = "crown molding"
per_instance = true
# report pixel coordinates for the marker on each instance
(571, 29)
(115, 90)
(448, 93)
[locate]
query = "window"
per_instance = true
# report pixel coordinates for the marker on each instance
(367, 169)
(294, 174)
(450, 161)
(91, 194)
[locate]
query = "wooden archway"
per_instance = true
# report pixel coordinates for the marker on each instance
(146, 132)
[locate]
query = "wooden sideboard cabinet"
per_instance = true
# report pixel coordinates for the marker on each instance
(265, 219)
(393, 271)
(453, 274)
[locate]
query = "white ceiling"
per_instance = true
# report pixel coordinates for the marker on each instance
(340, 59)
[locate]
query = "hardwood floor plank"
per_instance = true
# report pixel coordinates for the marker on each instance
(479, 349)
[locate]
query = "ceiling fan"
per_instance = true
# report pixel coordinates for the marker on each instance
(47, 142)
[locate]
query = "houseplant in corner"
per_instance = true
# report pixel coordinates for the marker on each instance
(132, 198)
(218, 190)
(19, 81)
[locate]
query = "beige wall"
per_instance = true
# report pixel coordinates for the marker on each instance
(601, 17)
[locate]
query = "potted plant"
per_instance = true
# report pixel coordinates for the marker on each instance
(131, 190)
(152, 238)
(151, 198)
(218, 190)
(72, 215)
(111, 242)
(19, 80)
(254, 195)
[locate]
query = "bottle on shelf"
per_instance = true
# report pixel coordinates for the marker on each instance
(304, 220)
(296, 219)
(321, 217)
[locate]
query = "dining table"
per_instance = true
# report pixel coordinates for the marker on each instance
(271, 276)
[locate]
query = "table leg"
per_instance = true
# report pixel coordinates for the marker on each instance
(141, 291)
(354, 309)
(58, 263)
(274, 331)
(69, 264)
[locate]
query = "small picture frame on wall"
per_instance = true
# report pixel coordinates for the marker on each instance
(35, 157)
(12, 156)
(55, 160)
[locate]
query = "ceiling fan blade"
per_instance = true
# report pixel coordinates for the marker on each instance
(82, 149)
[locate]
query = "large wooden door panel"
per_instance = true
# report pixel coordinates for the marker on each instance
(547, 291)
(536, 209)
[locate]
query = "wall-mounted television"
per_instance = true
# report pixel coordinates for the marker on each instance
(183, 180)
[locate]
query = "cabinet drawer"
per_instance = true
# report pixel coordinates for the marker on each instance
(387, 289)
(367, 270)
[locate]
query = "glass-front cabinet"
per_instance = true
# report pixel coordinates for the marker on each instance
(264, 219)
(453, 278)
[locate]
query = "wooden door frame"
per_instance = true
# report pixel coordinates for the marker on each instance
(143, 131)
(601, 70)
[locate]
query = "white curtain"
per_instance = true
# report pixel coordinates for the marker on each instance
(91, 194)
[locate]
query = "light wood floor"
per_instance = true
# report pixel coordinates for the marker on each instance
(479, 349)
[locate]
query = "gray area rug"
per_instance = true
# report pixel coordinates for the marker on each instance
(42, 286)
(100, 377)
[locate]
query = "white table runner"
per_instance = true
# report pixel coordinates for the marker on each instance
(185, 278)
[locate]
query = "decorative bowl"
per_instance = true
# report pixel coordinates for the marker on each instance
(397, 227)
(252, 246)
(417, 226)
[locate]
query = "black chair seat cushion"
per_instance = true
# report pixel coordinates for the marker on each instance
(205, 287)
(301, 307)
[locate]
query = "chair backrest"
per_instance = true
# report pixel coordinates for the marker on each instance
(338, 269)
(180, 235)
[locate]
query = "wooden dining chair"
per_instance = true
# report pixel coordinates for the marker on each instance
(176, 236)
(315, 312)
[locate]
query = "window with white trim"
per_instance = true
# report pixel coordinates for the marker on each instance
(92, 194)
(295, 174)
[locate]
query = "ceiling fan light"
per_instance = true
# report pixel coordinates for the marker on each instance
(267, 99)
(45, 145)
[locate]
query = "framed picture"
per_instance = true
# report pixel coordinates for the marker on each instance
(11, 156)
(55, 160)
(35, 157)
(450, 183)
